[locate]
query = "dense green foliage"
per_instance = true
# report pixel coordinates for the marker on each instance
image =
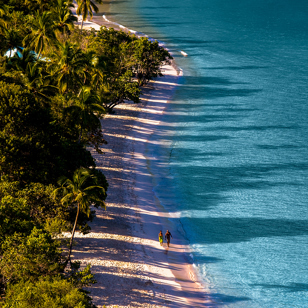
(149, 57)
(47, 292)
(56, 84)
(33, 145)
(29, 257)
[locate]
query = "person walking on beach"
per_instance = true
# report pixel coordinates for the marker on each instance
(160, 238)
(167, 237)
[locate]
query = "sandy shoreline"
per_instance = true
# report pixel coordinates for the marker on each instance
(131, 268)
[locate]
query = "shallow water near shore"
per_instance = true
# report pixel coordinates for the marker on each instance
(232, 167)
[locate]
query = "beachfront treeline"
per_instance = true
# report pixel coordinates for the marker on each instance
(56, 84)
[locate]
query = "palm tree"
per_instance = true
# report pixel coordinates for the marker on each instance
(98, 71)
(81, 192)
(63, 17)
(85, 8)
(42, 33)
(31, 74)
(10, 39)
(38, 82)
(21, 60)
(67, 66)
(93, 70)
(87, 111)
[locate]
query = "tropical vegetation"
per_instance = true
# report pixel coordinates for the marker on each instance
(56, 84)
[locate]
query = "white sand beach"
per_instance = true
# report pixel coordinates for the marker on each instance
(130, 266)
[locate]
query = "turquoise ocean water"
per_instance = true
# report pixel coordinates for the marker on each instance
(233, 165)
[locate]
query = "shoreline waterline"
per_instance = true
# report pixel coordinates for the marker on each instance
(184, 273)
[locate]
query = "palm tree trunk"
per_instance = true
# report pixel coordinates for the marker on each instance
(73, 233)
(38, 56)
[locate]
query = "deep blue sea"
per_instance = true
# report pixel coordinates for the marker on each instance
(234, 155)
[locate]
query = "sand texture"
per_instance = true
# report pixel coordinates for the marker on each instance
(130, 266)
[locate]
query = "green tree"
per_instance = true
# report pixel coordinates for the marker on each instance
(35, 146)
(29, 257)
(62, 16)
(42, 33)
(15, 216)
(92, 68)
(20, 62)
(14, 5)
(47, 292)
(115, 58)
(81, 191)
(85, 8)
(67, 67)
(115, 90)
(22, 208)
(86, 111)
(13, 19)
(38, 5)
(114, 49)
(10, 39)
(80, 278)
(31, 73)
(149, 57)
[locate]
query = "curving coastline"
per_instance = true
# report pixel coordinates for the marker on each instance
(131, 268)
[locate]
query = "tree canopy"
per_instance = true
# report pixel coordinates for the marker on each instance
(47, 292)
(56, 84)
(33, 147)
